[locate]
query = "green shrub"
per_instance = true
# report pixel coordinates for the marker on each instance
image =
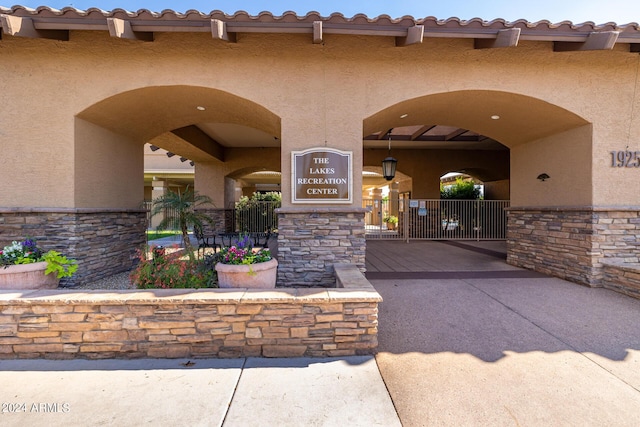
(461, 190)
(257, 213)
(170, 272)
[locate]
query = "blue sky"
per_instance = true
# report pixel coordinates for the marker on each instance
(577, 11)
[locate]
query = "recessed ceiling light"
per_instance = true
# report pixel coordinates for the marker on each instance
(200, 108)
(404, 116)
(495, 117)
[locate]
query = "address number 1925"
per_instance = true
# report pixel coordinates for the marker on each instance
(625, 159)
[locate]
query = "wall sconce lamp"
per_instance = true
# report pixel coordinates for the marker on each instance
(389, 164)
(543, 177)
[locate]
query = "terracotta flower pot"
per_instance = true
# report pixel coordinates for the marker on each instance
(27, 276)
(261, 275)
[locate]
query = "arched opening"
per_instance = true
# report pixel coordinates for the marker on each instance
(206, 126)
(214, 131)
(247, 181)
(480, 133)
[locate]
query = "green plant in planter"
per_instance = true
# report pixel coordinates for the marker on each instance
(28, 252)
(242, 253)
(59, 264)
(391, 219)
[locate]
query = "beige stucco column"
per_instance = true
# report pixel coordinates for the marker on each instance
(159, 189)
(312, 238)
(233, 190)
(376, 213)
(393, 198)
(325, 121)
(209, 181)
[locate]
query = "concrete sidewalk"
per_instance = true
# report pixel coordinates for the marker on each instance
(200, 392)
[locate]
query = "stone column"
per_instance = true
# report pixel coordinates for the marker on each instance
(311, 241)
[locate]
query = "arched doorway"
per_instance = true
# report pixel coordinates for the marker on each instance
(191, 122)
(205, 125)
(505, 139)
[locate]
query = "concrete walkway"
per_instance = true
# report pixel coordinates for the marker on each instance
(531, 351)
(467, 341)
(199, 392)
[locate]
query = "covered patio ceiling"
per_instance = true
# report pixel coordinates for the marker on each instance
(427, 136)
(431, 137)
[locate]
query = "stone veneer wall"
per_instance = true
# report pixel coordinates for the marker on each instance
(573, 243)
(622, 277)
(173, 323)
(222, 221)
(103, 241)
(312, 240)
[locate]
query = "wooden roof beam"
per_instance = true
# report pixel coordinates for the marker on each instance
(603, 40)
(386, 134)
(414, 35)
(19, 26)
(455, 133)
(504, 38)
(424, 129)
(317, 32)
(121, 29)
(219, 31)
(196, 137)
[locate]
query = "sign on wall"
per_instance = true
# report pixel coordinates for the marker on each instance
(321, 175)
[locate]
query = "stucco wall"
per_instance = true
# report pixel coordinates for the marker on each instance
(311, 95)
(566, 158)
(210, 176)
(497, 190)
(108, 168)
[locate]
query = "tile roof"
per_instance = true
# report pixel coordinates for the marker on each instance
(336, 22)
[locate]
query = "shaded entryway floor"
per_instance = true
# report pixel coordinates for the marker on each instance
(483, 350)
(439, 259)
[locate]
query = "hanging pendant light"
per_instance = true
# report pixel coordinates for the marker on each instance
(389, 164)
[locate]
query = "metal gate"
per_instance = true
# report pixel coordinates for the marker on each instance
(436, 219)
(256, 216)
